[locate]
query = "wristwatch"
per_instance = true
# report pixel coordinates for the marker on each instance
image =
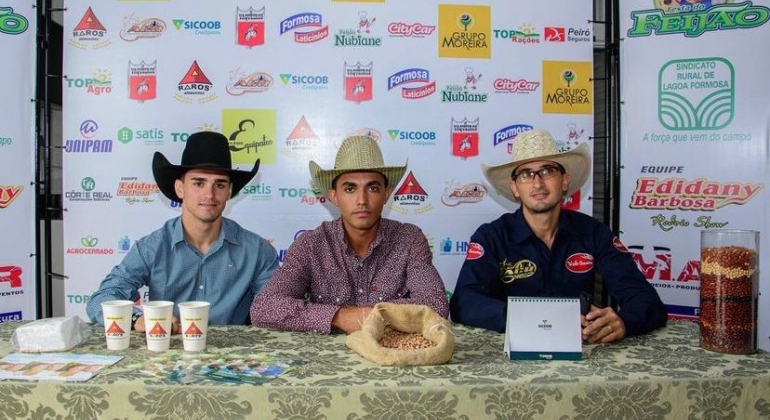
(134, 317)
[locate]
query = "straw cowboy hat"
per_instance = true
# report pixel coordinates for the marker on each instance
(536, 145)
(204, 150)
(356, 154)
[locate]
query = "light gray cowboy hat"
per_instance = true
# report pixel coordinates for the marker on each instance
(356, 154)
(536, 145)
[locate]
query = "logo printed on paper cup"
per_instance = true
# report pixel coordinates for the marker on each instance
(193, 331)
(115, 331)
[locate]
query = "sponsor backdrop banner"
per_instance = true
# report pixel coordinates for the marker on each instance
(695, 123)
(17, 156)
(445, 86)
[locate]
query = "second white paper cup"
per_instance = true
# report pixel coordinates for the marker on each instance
(195, 324)
(117, 323)
(157, 324)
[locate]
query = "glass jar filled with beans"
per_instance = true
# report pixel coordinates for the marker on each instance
(729, 270)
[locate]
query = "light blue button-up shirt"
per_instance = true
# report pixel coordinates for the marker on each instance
(233, 271)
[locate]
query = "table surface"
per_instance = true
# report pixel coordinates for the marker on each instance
(664, 374)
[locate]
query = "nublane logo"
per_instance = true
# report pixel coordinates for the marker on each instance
(465, 91)
(302, 140)
(304, 21)
(135, 28)
(693, 20)
(652, 193)
(12, 23)
(360, 35)
(8, 194)
(89, 32)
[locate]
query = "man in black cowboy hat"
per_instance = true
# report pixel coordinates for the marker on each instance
(199, 256)
(542, 250)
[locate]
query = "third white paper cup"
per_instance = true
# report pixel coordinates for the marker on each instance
(117, 323)
(157, 324)
(195, 324)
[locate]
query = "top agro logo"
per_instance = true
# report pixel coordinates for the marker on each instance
(694, 18)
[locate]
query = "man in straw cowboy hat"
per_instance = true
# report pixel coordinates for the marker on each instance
(199, 255)
(543, 250)
(333, 275)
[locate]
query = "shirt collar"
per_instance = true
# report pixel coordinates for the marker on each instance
(522, 232)
(339, 227)
(227, 233)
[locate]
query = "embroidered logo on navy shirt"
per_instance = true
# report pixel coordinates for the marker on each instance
(475, 251)
(619, 245)
(522, 269)
(580, 263)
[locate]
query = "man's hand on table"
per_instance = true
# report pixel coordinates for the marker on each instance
(350, 318)
(602, 325)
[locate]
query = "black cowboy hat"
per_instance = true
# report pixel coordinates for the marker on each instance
(204, 150)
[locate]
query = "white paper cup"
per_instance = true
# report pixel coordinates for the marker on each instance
(157, 324)
(195, 324)
(117, 323)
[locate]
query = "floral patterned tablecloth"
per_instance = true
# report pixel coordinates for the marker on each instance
(661, 375)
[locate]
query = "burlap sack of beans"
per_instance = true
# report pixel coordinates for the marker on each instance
(409, 319)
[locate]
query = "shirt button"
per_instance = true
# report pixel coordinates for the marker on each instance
(338, 300)
(360, 290)
(200, 287)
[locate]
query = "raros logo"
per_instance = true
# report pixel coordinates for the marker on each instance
(8, 194)
(693, 20)
(464, 31)
(305, 20)
(142, 80)
(358, 82)
(567, 87)
(413, 30)
(88, 144)
(410, 195)
(352, 37)
(89, 247)
(195, 86)
(135, 28)
(89, 31)
(680, 194)
(12, 23)
(250, 26)
(413, 76)
(456, 194)
(302, 140)
(464, 92)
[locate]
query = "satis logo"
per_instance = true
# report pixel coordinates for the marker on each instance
(415, 138)
(465, 91)
(522, 269)
(696, 94)
(299, 23)
(358, 82)
(88, 144)
(242, 82)
(88, 192)
(150, 136)
(700, 194)
(456, 193)
(567, 87)
(136, 191)
(449, 247)
(250, 26)
(508, 134)
(465, 137)
(10, 316)
(124, 244)
(100, 83)
(10, 277)
(410, 30)
(518, 86)
(142, 80)
(195, 86)
(410, 197)
(8, 194)
(302, 140)
(251, 134)
(12, 23)
(135, 28)
(198, 27)
(309, 196)
(525, 34)
(464, 31)
(309, 82)
(410, 77)
(258, 192)
(88, 246)
(89, 32)
(693, 20)
(554, 34)
(358, 36)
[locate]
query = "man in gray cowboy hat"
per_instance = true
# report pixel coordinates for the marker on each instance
(333, 275)
(543, 250)
(200, 255)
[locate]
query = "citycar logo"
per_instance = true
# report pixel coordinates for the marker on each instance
(89, 32)
(10, 275)
(302, 21)
(137, 28)
(8, 194)
(652, 193)
(518, 86)
(410, 30)
(88, 143)
(413, 76)
(12, 23)
(693, 20)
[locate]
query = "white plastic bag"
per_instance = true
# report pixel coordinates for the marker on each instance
(51, 334)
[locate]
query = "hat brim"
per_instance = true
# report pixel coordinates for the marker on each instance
(322, 178)
(166, 175)
(577, 163)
